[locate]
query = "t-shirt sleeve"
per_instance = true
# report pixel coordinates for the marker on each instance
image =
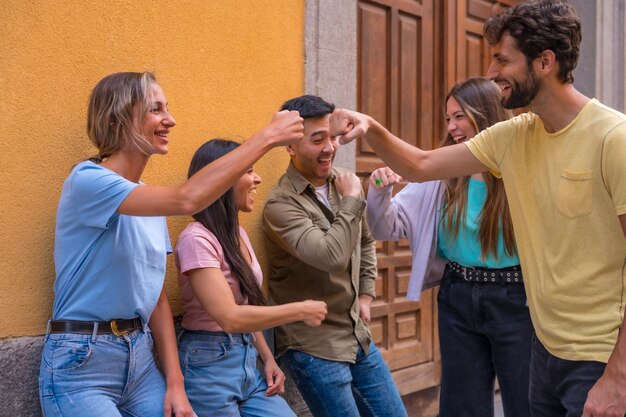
(490, 145)
(198, 250)
(97, 193)
(614, 166)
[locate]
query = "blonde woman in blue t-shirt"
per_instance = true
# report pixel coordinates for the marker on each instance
(110, 255)
(484, 323)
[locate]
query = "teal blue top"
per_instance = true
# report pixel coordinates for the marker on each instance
(465, 249)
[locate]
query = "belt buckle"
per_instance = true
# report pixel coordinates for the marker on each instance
(117, 332)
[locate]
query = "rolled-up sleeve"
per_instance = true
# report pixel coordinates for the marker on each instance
(315, 241)
(368, 269)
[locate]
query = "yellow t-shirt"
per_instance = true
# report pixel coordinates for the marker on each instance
(566, 190)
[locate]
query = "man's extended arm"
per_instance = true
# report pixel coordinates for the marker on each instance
(410, 162)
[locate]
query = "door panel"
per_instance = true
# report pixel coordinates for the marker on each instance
(395, 61)
(409, 55)
(472, 59)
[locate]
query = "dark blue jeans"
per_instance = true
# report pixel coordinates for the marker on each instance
(341, 389)
(559, 387)
(484, 331)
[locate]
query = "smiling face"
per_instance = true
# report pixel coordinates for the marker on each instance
(516, 78)
(157, 123)
(313, 156)
(460, 126)
(244, 189)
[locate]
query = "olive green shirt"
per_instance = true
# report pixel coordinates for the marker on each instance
(312, 257)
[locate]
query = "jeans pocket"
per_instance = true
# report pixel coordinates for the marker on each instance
(300, 358)
(66, 355)
(516, 295)
(202, 354)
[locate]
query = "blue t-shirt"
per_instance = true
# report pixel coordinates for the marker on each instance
(465, 249)
(108, 265)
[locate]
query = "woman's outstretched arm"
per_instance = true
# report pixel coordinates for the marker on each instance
(212, 290)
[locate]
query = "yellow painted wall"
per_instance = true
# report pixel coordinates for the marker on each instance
(225, 67)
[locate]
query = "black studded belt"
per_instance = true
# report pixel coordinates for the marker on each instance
(509, 275)
(118, 327)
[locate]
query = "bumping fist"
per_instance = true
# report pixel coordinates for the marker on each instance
(348, 125)
(285, 128)
(384, 177)
(348, 184)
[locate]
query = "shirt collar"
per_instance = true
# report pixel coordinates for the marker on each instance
(300, 183)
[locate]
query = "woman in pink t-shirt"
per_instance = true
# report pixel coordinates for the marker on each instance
(225, 310)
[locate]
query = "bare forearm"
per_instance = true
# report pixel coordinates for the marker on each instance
(222, 173)
(162, 327)
(249, 318)
(417, 165)
(261, 346)
(403, 158)
(208, 184)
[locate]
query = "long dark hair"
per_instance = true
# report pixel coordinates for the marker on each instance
(221, 219)
(480, 100)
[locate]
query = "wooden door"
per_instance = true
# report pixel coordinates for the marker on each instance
(465, 19)
(395, 85)
(410, 52)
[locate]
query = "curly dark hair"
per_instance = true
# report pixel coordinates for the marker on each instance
(540, 25)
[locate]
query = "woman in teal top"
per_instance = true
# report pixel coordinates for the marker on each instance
(484, 323)
(465, 248)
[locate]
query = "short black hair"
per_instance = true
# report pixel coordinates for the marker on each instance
(309, 106)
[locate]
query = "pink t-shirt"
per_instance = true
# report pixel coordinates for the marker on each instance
(199, 248)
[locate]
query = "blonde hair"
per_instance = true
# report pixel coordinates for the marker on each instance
(117, 107)
(480, 100)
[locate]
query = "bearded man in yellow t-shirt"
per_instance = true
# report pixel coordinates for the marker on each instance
(564, 169)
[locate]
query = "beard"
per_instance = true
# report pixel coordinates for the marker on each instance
(522, 92)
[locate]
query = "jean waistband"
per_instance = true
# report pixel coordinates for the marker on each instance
(510, 275)
(217, 336)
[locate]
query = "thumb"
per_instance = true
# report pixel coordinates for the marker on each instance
(357, 132)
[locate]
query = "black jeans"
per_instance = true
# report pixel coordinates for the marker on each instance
(559, 387)
(484, 331)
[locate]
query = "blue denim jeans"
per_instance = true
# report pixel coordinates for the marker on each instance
(222, 379)
(559, 387)
(341, 389)
(100, 376)
(484, 331)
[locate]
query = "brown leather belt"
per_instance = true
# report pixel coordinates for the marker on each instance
(118, 327)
